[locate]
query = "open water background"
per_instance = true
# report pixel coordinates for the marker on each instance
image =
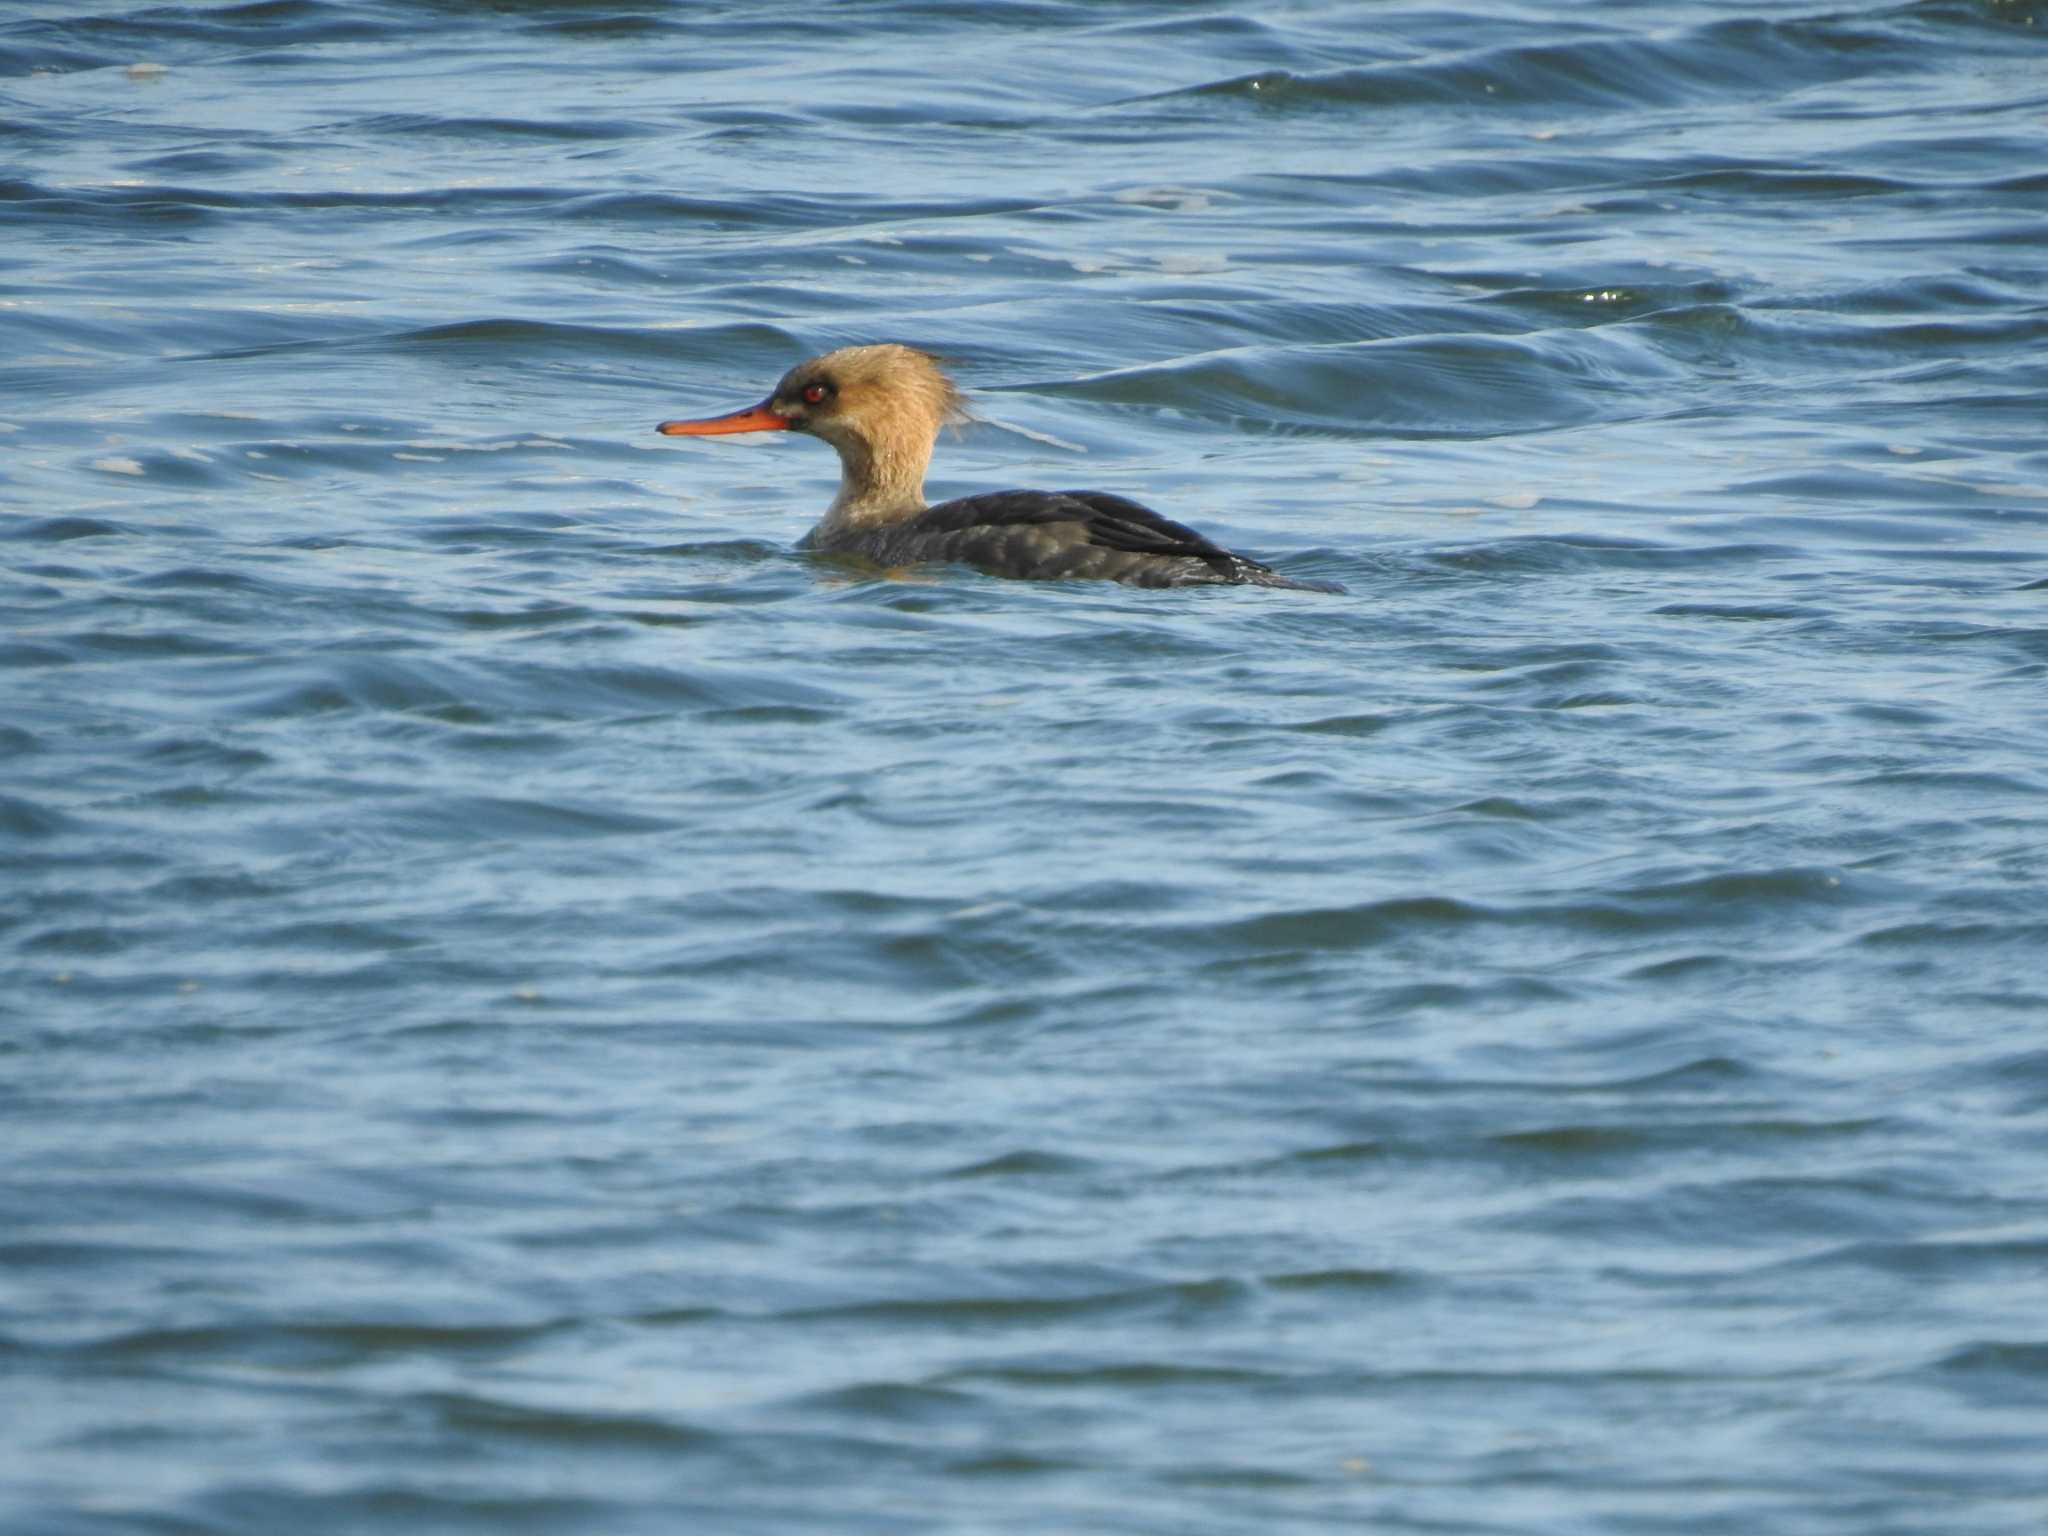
(526, 1005)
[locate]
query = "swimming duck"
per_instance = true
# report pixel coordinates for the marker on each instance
(882, 406)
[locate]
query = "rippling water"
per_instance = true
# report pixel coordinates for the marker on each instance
(528, 1004)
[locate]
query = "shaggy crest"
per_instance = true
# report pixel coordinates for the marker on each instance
(881, 406)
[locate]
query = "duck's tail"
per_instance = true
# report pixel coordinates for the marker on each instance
(1253, 574)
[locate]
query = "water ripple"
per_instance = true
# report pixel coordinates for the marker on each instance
(529, 1001)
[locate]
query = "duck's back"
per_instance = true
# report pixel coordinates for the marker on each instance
(1048, 535)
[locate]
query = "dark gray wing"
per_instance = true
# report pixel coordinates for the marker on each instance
(1050, 534)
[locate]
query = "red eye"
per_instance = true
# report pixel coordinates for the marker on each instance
(813, 393)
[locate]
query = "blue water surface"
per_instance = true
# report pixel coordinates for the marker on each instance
(529, 1004)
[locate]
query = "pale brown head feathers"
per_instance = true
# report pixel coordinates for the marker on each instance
(880, 406)
(877, 390)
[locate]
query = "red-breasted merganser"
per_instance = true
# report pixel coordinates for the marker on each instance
(882, 407)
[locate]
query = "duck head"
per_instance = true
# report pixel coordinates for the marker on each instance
(880, 406)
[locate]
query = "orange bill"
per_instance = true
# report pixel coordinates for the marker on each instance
(755, 418)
